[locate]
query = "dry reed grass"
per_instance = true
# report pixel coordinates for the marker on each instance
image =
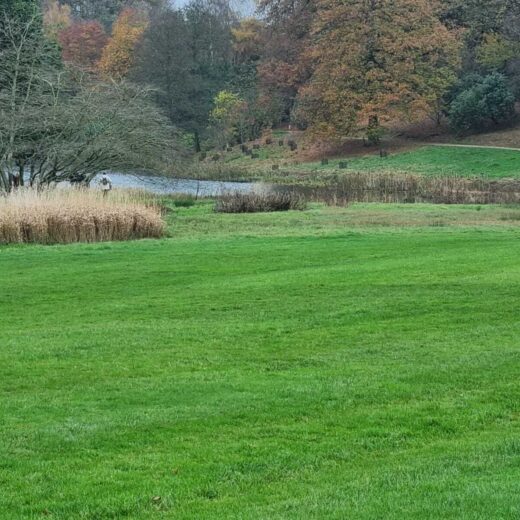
(62, 216)
(406, 188)
(236, 202)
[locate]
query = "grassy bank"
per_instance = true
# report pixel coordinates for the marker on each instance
(292, 167)
(334, 363)
(440, 161)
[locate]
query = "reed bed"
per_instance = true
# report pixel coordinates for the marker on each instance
(62, 216)
(406, 188)
(256, 202)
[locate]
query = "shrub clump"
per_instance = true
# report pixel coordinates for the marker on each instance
(237, 202)
(184, 201)
(487, 100)
(64, 216)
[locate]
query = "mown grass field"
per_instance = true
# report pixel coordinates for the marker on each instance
(441, 160)
(425, 160)
(333, 363)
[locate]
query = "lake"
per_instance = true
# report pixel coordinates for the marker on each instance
(165, 185)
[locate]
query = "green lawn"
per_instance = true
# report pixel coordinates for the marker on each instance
(304, 365)
(439, 160)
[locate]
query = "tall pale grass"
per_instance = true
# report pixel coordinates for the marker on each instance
(407, 188)
(62, 216)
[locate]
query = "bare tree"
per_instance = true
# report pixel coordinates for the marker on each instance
(60, 124)
(101, 126)
(21, 72)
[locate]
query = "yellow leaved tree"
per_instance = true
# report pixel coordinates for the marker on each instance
(119, 54)
(56, 18)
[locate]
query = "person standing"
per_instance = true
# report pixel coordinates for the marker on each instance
(106, 184)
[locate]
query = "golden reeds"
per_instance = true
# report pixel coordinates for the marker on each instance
(62, 216)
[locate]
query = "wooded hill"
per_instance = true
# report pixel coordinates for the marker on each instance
(331, 67)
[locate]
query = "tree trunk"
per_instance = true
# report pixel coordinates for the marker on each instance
(21, 172)
(373, 130)
(196, 139)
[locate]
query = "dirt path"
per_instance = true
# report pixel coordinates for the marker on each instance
(473, 146)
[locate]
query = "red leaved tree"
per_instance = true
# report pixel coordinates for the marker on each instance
(83, 43)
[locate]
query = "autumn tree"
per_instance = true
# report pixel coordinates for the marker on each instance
(495, 51)
(56, 18)
(118, 56)
(248, 40)
(248, 46)
(82, 43)
(491, 36)
(489, 25)
(285, 63)
(62, 125)
(377, 62)
(229, 118)
(107, 11)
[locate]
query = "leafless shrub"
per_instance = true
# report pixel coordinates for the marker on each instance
(237, 202)
(77, 215)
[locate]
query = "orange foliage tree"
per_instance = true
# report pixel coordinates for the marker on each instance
(376, 62)
(284, 66)
(83, 43)
(118, 56)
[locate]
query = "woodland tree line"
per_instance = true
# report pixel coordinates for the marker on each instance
(87, 84)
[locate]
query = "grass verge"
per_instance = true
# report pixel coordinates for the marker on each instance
(291, 365)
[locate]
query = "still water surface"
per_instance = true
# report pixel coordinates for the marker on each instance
(164, 185)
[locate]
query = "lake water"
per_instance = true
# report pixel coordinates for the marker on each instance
(165, 185)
